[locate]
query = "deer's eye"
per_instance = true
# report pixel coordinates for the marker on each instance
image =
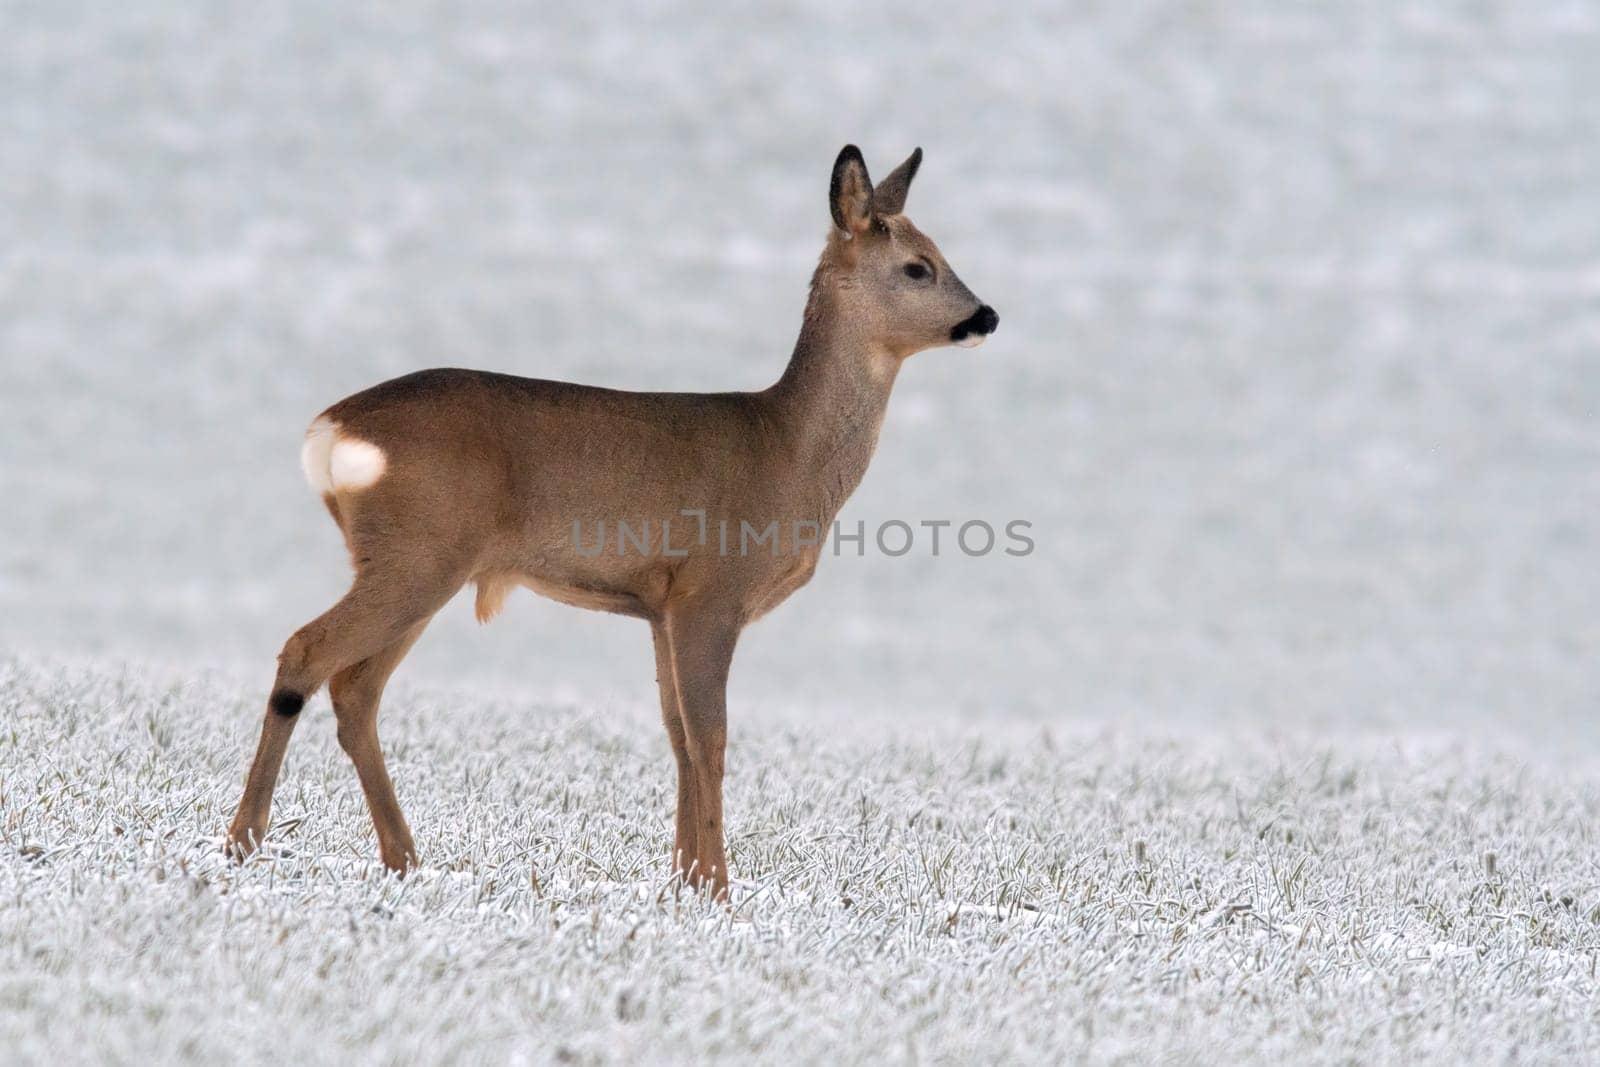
(916, 271)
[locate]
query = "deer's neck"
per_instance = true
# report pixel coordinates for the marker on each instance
(830, 403)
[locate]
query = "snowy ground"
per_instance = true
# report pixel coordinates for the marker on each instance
(1005, 895)
(1297, 381)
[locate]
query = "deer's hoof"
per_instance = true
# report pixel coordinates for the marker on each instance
(399, 860)
(241, 842)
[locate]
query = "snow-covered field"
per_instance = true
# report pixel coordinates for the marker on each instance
(1298, 382)
(1021, 893)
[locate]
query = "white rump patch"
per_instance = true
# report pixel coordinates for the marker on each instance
(973, 340)
(333, 462)
(314, 456)
(355, 464)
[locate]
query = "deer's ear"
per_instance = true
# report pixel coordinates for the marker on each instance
(850, 192)
(889, 198)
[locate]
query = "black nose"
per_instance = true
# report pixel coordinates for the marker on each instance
(983, 321)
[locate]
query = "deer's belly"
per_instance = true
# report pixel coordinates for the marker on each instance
(594, 592)
(642, 586)
(619, 602)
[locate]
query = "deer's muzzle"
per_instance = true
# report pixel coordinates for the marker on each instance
(971, 331)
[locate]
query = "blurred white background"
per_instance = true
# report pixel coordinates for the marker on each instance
(1297, 376)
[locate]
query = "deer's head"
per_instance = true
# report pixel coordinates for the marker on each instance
(893, 279)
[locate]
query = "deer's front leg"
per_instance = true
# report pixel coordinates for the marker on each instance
(702, 641)
(684, 834)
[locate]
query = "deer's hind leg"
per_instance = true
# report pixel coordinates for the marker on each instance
(394, 594)
(356, 692)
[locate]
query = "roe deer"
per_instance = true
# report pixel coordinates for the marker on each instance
(445, 477)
